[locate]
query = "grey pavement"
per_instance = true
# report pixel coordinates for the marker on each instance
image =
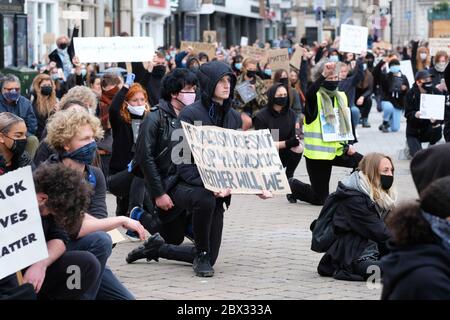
(265, 251)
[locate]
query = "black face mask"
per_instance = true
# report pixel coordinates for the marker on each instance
(62, 46)
(284, 82)
(281, 101)
(46, 91)
(330, 85)
(159, 71)
(428, 87)
(18, 147)
(386, 182)
(251, 74)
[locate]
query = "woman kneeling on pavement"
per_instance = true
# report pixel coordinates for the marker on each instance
(364, 200)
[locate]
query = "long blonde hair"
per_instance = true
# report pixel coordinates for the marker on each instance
(369, 166)
(45, 105)
(421, 64)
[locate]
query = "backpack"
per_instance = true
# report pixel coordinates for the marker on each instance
(322, 228)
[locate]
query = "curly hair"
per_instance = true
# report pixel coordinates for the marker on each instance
(134, 88)
(83, 94)
(64, 125)
(45, 105)
(68, 194)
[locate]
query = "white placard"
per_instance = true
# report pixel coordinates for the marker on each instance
(353, 38)
(114, 49)
(330, 132)
(432, 106)
(22, 240)
(244, 41)
(75, 15)
(407, 70)
(439, 44)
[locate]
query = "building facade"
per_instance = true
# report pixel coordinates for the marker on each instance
(149, 17)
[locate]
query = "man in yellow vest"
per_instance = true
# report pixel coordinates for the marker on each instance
(327, 129)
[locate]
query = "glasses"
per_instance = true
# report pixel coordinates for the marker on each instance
(10, 89)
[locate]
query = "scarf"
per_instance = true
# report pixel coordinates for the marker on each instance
(387, 200)
(328, 109)
(105, 103)
(440, 227)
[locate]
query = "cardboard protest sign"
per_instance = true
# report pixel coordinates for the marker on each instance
(209, 36)
(207, 48)
(22, 240)
(432, 106)
(247, 162)
(353, 38)
(296, 59)
(278, 59)
(330, 132)
(246, 91)
(439, 44)
(114, 49)
(407, 70)
(255, 53)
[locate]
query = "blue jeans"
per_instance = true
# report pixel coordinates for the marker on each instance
(391, 115)
(356, 115)
(109, 287)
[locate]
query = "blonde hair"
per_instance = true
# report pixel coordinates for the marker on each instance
(370, 165)
(45, 105)
(64, 125)
(82, 94)
(420, 64)
(248, 61)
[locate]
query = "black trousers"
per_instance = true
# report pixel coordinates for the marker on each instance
(290, 161)
(366, 107)
(433, 135)
(207, 221)
(319, 172)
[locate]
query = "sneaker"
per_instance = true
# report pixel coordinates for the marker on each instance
(384, 128)
(135, 214)
(149, 249)
(202, 265)
(366, 124)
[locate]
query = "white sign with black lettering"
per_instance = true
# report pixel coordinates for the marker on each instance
(22, 240)
(432, 106)
(353, 38)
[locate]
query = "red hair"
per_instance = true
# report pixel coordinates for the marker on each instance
(134, 89)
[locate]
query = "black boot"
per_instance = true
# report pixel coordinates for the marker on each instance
(149, 249)
(365, 123)
(202, 265)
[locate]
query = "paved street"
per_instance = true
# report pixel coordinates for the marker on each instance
(265, 250)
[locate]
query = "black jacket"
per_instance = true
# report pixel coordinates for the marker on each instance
(389, 90)
(419, 272)
(152, 84)
(414, 126)
(54, 56)
(153, 147)
(209, 112)
(357, 226)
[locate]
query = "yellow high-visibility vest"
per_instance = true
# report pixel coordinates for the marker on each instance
(315, 147)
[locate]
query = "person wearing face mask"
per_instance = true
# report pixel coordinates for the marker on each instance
(64, 53)
(153, 157)
(359, 207)
(278, 115)
(236, 64)
(152, 79)
(73, 134)
(364, 91)
(420, 130)
(12, 143)
(249, 109)
(423, 59)
(323, 100)
(394, 86)
(44, 101)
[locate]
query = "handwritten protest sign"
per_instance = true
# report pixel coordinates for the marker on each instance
(207, 48)
(247, 162)
(353, 38)
(439, 44)
(432, 106)
(278, 59)
(22, 240)
(331, 131)
(254, 53)
(296, 59)
(407, 70)
(114, 49)
(246, 91)
(209, 36)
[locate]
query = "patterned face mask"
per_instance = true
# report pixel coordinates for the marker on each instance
(440, 227)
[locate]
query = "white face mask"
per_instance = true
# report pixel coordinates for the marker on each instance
(136, 110)
(186, 98)
(423, 56)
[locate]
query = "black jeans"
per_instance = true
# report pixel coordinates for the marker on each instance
(319, 172)
(366, 107)
(56, 281)
(290, 161)
(433, 135)
(207, 220)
